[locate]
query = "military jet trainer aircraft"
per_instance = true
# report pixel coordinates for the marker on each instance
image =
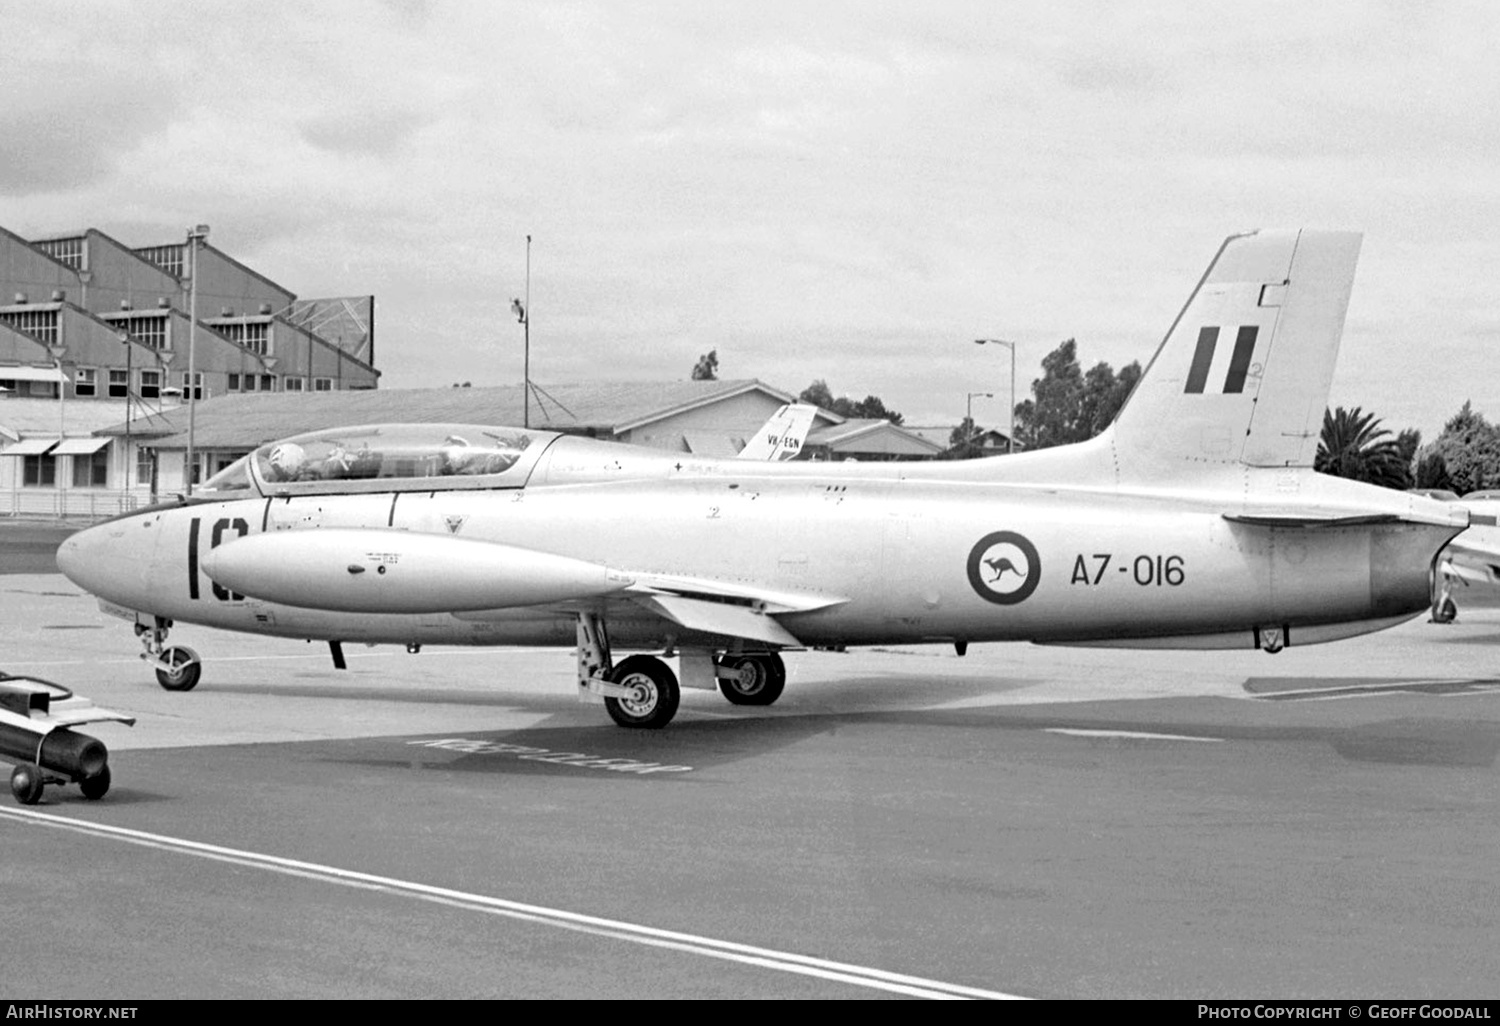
(1195, 521)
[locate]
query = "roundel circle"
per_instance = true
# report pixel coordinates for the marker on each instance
(1004, 568)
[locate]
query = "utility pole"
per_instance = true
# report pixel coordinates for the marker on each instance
(195, 238)
(1011, 433)
(523, 314)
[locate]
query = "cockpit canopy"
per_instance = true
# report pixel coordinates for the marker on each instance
(386, 457)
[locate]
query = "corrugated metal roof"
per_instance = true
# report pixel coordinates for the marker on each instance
(29, 416)
(245, 421)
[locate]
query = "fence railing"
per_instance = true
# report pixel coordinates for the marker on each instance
(71, 504)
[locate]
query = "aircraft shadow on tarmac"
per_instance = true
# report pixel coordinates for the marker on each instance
(701, 744)
(604, 750)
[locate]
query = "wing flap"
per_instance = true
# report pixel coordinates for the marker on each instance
(735, 621)
(1312, 518)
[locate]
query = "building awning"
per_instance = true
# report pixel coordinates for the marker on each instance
(30, 447)
(32, 374)
(80, 446)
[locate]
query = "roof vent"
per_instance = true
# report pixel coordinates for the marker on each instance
(125, 304)
(265, 308)
(20, 298)
(163, 303)
(225, 311)
(58, 295)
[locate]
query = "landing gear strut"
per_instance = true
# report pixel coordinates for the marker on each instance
(177, 666)
(641, 692)
(751, 679)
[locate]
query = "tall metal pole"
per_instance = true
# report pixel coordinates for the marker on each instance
(526, 331)
(195, 236)
(129, 456)
(969, 414)
(1011, 433)
(1010, 436)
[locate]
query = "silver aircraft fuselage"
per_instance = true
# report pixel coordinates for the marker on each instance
(995, 550)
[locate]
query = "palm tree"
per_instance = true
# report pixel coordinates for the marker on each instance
(1354, 445)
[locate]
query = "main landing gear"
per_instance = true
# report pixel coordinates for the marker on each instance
(751, 679)
(177, 666)
(642, 691)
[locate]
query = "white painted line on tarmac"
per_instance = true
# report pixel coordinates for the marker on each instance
(747, 954)
(1131, 734)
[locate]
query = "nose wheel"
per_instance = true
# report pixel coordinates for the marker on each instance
(177, 666)
(180, 669)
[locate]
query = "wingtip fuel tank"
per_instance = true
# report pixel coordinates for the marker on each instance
(364, 570)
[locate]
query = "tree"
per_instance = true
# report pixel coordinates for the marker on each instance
(1432, 472)
(963, 441)
(870, 407)
(1070, 406)
(707, 367)
(1469, 448)
(1354, 445)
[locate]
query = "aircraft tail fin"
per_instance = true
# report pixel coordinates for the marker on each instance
(782, 436)
(1243, 375)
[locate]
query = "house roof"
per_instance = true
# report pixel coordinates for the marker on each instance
(24, 417)
(858, 434)
(246, 420)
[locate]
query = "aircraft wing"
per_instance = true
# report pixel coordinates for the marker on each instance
(733, 610)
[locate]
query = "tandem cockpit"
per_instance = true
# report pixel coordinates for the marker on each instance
(384, 458)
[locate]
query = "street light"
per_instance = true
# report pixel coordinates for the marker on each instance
(195, 237)
(969, 413)
(523, 314)
(1011, 433)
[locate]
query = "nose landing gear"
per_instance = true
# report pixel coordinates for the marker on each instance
(177, 666)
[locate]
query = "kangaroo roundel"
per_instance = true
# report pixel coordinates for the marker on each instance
(1004, 568)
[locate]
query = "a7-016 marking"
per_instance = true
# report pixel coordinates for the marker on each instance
(1144, 570)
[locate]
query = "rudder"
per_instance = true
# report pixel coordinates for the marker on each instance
(1243, 374)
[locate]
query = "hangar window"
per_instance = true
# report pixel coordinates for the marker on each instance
(39, 324)
(150, 330)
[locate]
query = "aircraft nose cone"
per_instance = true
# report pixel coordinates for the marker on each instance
(105, 560)
(70, 558)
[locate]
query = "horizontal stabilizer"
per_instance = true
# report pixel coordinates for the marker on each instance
(719, 618)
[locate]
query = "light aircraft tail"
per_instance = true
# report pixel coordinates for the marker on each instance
(1243, 375)
(782, 436)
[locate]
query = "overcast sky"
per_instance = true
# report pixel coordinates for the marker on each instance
(846, 191)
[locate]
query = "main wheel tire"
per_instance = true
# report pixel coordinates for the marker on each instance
(657, 689)
(27, 783)
(1447, 612)
(186, 669)
(757, 680)
(96, 786)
